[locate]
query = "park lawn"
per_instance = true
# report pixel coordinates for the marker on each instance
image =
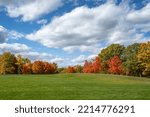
(73, 87)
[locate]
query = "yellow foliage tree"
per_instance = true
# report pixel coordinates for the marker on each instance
(144, 58)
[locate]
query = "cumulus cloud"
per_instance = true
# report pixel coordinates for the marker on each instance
(14, 48)
(83, 28)
(86, 28)
(37, 55)
(140, 16)
(31, 9)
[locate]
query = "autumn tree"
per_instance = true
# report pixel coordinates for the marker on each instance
(38, 67)
(53, 68)
(7, 63)
(144, 58)
(88, 67)
(50, 68)
(71, 69)
(20, 62)
(46, 68)
(97, 66)
(115, 65)
(109, 52)
(27, 68)
(130, 60)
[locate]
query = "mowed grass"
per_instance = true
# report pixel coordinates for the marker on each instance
(73, 86)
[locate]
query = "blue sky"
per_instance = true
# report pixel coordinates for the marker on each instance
(69, 31)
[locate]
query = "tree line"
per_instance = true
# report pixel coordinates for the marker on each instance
(133, 60)
(11, 64)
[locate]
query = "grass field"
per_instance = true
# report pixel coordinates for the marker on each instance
(73, 86)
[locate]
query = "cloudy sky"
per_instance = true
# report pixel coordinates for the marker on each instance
(70, 31)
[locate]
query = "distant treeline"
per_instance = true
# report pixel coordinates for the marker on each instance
(11, 64)
(133, 60)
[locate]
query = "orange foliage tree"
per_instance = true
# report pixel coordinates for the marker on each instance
(53, 68)
(115, 65)
(38, 67)
(27, 68)
(92, 67)
(85, 67)
(97, 65)
(46, 68)
(88, 67)
(71, 70)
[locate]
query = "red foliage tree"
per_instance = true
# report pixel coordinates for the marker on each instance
(97, 65)
(85, 67)
(88, 67)
(115, 65)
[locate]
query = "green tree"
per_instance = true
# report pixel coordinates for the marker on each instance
(131, 64)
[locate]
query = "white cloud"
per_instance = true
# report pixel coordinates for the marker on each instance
(87, 29)
(83, 28)
(14, 48)
(37, 55)
(31, 9)
(140, 16)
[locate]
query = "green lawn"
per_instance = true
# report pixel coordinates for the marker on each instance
(73, 86)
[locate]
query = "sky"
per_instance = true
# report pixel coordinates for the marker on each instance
(68, 32)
